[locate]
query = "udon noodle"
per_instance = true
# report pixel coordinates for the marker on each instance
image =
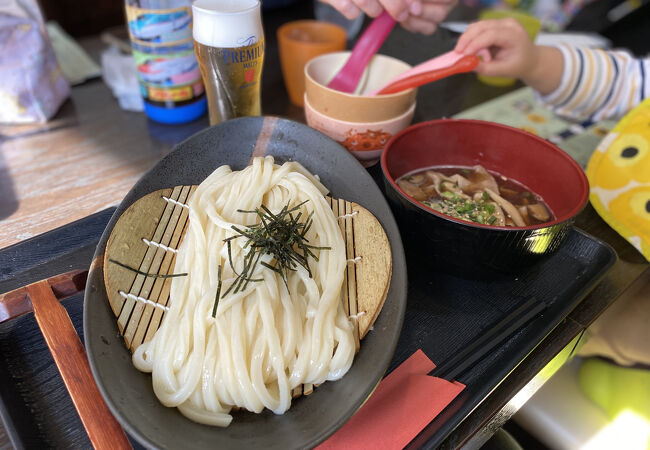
(267, 339)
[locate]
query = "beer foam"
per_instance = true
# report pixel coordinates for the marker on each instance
(227, 23)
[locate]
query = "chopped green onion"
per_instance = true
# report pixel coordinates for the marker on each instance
(146, 274)
(280, 235)
(216, 298)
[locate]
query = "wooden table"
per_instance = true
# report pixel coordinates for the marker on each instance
(91, 153)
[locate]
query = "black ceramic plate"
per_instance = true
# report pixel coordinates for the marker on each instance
(311, 419)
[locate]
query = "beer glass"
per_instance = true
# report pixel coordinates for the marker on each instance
(229, 45)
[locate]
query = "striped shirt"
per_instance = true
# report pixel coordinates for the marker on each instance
(598, 84)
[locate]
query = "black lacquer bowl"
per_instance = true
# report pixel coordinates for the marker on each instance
(311, 419)
(470, 249)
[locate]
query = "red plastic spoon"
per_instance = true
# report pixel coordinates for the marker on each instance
(347, 79)
(426, 73)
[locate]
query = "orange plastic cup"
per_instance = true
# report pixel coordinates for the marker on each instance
(300, 41)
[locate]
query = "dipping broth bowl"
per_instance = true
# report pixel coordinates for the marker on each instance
(362, 124)
(471, 249)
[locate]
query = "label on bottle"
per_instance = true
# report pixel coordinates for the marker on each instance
(163, 51)
(160, 27)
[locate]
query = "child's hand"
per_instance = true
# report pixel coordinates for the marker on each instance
(511, 52)
(507, 51)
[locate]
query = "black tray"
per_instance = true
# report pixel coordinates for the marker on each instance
(444, 314)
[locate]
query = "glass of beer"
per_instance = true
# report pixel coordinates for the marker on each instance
(229, 45)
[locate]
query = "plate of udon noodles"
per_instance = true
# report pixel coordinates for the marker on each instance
(248, 292)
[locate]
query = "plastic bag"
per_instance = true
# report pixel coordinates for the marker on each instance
(32, 87)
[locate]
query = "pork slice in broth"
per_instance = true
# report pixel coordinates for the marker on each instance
(539, 212)
(412, 190)
(481, 180)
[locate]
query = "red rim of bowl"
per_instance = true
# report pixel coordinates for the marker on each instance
(584, 197)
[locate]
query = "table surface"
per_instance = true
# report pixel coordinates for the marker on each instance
(89, 156)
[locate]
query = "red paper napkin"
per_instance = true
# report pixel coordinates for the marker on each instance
(404, 403)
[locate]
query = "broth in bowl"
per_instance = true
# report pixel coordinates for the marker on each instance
(476, 195)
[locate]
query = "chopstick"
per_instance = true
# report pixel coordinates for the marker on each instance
(70, 357)
(519, 317)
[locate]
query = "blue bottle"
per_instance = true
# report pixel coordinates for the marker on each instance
(163, 50)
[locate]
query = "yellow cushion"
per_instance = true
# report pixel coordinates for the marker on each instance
(619, 176)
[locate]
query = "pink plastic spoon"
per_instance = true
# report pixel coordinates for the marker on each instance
(437, 68)
(347, 79)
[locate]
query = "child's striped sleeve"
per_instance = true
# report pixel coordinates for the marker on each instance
(598, 84)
